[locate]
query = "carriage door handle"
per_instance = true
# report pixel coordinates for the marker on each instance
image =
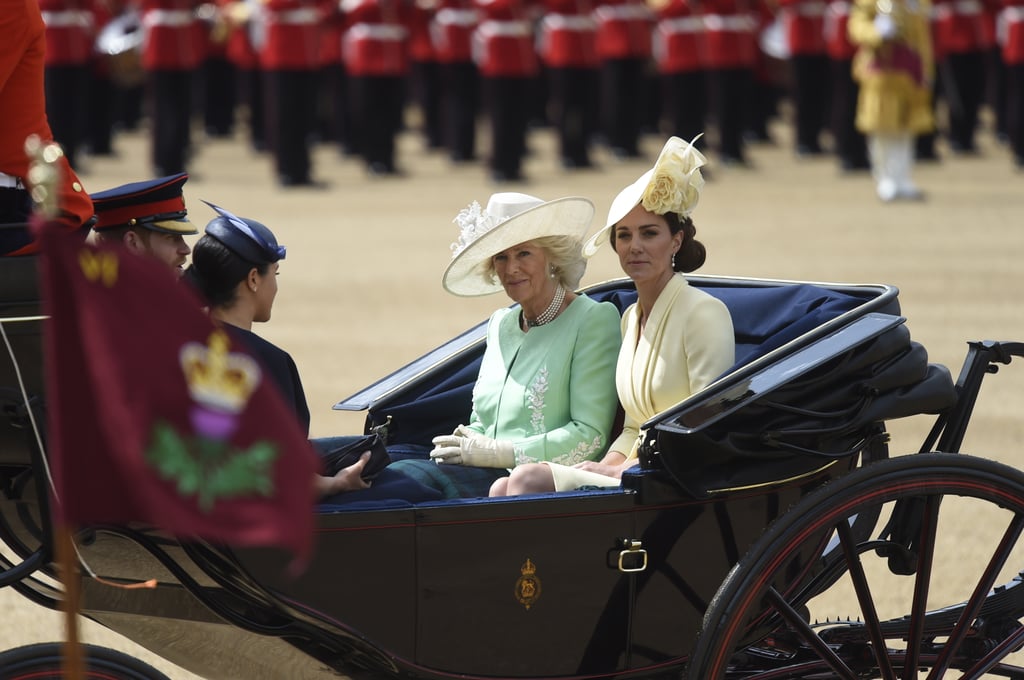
(632, 556)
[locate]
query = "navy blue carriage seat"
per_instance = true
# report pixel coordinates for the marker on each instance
(764, 318)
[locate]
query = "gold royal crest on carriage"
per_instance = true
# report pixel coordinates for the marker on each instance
(528, 585)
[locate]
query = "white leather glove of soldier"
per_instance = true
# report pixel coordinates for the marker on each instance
(466, 447)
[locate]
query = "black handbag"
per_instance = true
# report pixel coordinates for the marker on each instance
(347, 455)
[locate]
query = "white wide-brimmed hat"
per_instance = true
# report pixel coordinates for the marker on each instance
(510, 218)
(672, 185)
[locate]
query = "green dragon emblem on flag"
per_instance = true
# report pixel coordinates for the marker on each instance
(205, 465)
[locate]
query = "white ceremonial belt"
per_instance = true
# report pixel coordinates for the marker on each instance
(682, 25)
(302, 15)
(1012, 15)
(67, 18)
(839, 9)
(457, 17)
(967, 7)
(388, 32)
(737, 23)
(168, 17)
(620, 12)
(569, 22)
(508, 29)
(10, 182)
(809, 9)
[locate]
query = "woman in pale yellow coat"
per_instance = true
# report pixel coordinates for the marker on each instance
(676, 339)
(895, 69)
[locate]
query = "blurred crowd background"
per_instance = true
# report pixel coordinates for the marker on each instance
(474, 78)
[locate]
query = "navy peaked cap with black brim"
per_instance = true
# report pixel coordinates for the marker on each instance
(156, 204)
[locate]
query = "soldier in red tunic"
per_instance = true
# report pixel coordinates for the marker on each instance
(425, 72)
(217, 73)
(335, 111)
(451, 32)
(960, 39)
(105, 97)
(804, 23)
(1010, 34)
(730, 55)
(850, 144)
(568, 49)
(376, 52)
(245, 25)
(678, 54)
(23, 111)
(290, 58)
(70, 33)
(504, 53)
(118, 87)
(624, 47)
(171, 53)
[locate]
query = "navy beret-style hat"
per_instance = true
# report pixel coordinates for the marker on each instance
(246, 238)
(156, 204)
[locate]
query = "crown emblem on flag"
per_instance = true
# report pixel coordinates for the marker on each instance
(217, 379)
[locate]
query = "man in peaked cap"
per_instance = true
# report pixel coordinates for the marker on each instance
(146, 217)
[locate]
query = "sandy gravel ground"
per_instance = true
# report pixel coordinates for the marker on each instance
(361, 295)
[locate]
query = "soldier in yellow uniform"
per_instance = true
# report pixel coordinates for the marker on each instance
(895, 69)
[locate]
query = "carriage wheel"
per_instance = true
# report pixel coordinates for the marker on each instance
(43, 662)
(946, 578)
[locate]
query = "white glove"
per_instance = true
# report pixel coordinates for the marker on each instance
(466, 447)
(885, 26)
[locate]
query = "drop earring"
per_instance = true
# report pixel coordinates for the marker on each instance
(673, 261)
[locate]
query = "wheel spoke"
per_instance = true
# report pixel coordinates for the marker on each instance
(866, 600)
(801, 628)
(973, 606)
(926, 554)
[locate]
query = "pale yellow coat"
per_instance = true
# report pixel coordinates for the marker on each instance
(686, 343)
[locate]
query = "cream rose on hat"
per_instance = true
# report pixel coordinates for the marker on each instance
(672, 185)
(509, 219)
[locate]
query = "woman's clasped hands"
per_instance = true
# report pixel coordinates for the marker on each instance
(468, 447)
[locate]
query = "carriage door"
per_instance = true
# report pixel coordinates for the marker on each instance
(525, 586)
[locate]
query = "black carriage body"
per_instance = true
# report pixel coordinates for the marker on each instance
(590, 584)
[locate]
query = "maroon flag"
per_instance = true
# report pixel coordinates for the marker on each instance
(158, 415)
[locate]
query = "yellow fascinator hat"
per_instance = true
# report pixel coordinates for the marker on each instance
(672, 185)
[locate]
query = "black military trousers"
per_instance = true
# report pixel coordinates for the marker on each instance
(170, 99)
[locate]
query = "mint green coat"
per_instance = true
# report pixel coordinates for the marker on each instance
(550, 391)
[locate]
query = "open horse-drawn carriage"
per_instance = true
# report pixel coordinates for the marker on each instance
(757, 538)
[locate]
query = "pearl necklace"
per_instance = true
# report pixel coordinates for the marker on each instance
(548, 315)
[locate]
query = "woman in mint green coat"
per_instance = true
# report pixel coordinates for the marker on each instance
(546, 386)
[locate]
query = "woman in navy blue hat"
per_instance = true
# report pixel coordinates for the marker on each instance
(234, 267)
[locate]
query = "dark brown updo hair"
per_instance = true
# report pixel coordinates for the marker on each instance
(691, 255)
(216, 271)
